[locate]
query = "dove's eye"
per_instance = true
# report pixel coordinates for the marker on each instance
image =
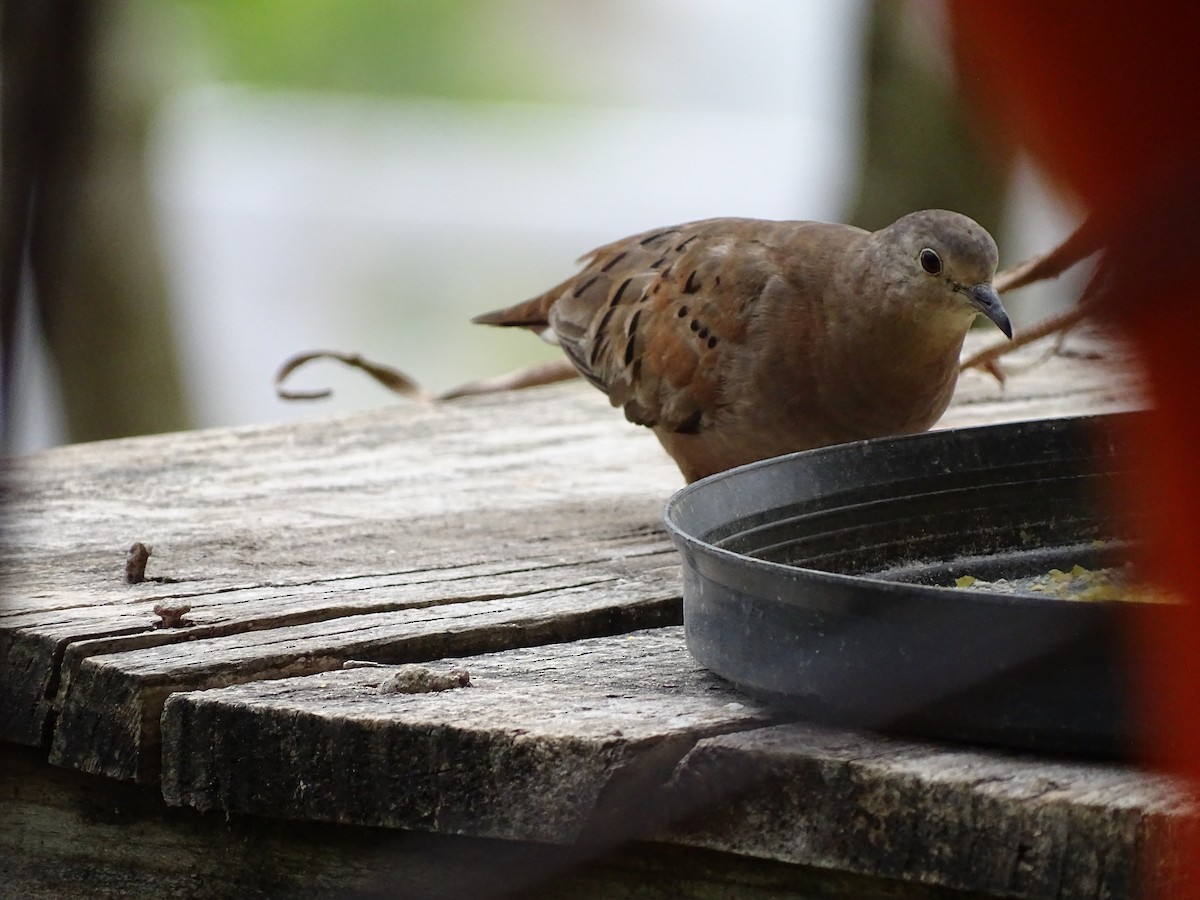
(930, 261)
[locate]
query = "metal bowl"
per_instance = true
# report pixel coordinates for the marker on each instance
(825, 580)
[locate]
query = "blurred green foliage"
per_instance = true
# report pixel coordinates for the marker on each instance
(446, 48)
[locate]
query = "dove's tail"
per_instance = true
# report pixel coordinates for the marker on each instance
(533, 314)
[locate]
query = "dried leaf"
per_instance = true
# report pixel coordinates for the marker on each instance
(392, 379)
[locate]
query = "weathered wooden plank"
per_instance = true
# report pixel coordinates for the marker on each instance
(553, 602)
(1003, 824)
(308, 501)
(109, 721)
(316, 499)
(559, 743)
(380, 512)
(324, 524)
(65, 834)
(626, 737)
(251, 611)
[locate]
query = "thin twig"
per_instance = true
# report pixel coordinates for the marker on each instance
(395, 381)
(1085, 240)
(1063, 322)
(543, 373)
(1079, 245)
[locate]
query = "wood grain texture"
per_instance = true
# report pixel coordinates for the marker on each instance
(109, 719)
(559, 744)
(628, 738)
(521, 517)
(1004, 824)
(507, 534)
(329, 527)
(66, 834)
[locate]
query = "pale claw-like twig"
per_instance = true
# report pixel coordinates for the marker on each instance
(399, 383)
(531, 376)
(1082, 243)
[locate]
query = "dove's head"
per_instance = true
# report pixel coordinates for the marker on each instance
(947, 259)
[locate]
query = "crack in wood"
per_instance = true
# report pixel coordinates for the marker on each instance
(372, 580)
(250, 711)
(104, 684)
(955, 816)
(68, 653)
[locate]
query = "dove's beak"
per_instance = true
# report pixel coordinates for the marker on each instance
(985, 299)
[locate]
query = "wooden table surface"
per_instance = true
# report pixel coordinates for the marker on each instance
(517, 537)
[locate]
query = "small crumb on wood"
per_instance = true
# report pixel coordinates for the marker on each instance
(423, 680)
(135, 566)
(135, 563)
(171, 616)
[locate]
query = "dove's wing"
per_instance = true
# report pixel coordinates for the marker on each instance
(657, 320)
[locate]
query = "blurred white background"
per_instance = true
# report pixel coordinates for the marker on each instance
(292, 220)
(512, 137)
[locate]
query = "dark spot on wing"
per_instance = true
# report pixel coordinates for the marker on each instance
(617, 296)
(608, 313)
(601, 336)
(692, 284)
(616, 259)
(654, 237)
(583, 287)
(597, 349)
(633, 323)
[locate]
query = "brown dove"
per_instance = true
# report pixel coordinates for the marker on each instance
(740, 339)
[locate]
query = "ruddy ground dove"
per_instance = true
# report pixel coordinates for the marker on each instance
(740, 339)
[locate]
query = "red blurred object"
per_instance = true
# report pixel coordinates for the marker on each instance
(1105, 95)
